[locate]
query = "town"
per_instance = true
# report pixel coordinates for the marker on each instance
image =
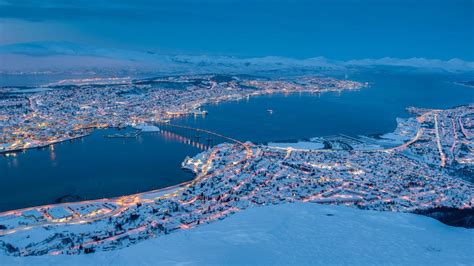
(428, 168)
(43, 116)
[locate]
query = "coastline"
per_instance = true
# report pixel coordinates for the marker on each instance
(234, 177)
(179, 186)
(4, 153)
(189, 108)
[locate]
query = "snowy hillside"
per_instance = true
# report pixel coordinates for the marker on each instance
(47, 56)
(294, 234)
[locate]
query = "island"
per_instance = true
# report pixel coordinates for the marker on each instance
(38, 117)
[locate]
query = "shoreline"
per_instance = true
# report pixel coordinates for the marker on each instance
(190, 112)
(233, 177)
(193, 106)
(139, 131)
(5, 153)
(135, 195)
(194, 180)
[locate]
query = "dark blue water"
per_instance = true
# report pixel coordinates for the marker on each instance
(93, 167)
(367, 111)
(97, 167)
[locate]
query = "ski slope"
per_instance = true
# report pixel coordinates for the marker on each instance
(293, 234)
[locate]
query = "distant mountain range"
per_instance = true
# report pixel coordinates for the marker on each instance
(64, 56)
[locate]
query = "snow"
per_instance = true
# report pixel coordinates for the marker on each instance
(147, 128)
(298, 145)
(23, 90)
(59, 55)
(316, 143)
(91, 81)
(4, 146)
(58, 212)
(33, 213)
(454, 64)
(293, 234)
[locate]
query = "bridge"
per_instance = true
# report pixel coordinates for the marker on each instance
(123, 203)
(207, 132)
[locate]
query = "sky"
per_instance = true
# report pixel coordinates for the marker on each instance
(340, 30)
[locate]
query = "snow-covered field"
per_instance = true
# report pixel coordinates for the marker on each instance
(147, 128)
(298, 145)
(293, 234)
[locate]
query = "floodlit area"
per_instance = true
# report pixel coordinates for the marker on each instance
(293, 234)
(423, 173)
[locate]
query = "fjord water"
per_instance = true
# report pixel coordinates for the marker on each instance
(367, 111)
(96, 167)
(92, 167)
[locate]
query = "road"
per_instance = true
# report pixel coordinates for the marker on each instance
(442, 156)
(123, 203)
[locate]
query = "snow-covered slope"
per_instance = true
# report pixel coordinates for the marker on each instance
(294, 234)
(57, 56)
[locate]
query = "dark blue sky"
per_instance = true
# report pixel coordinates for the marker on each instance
(334, 29)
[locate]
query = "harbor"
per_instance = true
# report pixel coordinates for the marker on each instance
(152, 160)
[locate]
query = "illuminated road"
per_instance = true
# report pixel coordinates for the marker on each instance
(455, 135)
(118, 205)
(405, 145)
(438, 142)
(123, 203)
(464, 131)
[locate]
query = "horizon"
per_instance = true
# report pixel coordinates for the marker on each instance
(64, 56)
(132, 131)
